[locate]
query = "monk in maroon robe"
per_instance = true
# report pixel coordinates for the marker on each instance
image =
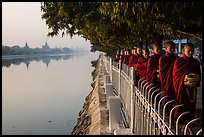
(134, 57)
(122, 56)
(166, 63)
(117, 58)
(186, 92)
(141, 65)
(153, 65)
(126, 57)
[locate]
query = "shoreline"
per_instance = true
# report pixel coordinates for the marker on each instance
(94, 116)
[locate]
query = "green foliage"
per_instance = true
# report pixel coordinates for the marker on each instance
(112, 25)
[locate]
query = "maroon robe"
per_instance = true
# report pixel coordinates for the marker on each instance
(116, 59)
(122, 58)
(133, 59)
(141, 66)
(166, 63)
(126, 59)
(184, 94)
(152, 67)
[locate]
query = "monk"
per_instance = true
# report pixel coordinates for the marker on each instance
(126, 57)
(166, 63)
(186, 90)
(117, 58)
(153, 65)
(141, 65)
(122, 56)
(135, 55)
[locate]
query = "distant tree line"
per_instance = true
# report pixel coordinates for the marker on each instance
(16, 50)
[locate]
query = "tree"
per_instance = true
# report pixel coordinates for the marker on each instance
(115, 25)
(165, 19)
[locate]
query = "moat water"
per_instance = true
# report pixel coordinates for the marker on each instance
(43, 95)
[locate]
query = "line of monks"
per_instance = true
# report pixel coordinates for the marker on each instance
(177, 76)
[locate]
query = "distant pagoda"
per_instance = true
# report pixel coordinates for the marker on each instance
(46, 46)
(26, 46)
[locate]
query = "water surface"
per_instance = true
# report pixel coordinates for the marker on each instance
(43, 96)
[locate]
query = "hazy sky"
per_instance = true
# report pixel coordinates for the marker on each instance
(21, 22)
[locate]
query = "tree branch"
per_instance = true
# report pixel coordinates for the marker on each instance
(190, 34)
(178, 26)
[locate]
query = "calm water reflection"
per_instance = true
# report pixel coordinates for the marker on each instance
(44, 95)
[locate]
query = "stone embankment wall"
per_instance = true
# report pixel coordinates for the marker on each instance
(94, 116)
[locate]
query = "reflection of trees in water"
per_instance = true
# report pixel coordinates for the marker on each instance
(44, 59)
(27, 63)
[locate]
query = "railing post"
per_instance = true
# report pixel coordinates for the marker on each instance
(189, 123)
(114, 112)
(132, 76)
(200, 131)
(119, 79)
(110, 73)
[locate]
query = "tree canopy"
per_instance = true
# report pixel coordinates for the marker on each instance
(112, 25)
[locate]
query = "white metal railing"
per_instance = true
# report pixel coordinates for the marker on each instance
(144, 105)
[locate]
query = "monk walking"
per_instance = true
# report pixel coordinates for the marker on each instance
(166, 63)
(153, 65)
(126, 57)
(141, 65)
(122, 55)
(136, 53)
(186, 79)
